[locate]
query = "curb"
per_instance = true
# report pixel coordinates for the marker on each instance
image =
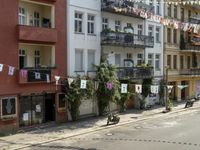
(99, 128)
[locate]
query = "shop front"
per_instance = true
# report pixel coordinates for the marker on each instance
(36, 109)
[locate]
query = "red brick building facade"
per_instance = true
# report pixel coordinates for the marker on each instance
(33, 41)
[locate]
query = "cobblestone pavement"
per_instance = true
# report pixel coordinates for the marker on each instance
(69, 130)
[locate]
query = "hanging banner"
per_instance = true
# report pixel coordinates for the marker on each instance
(182, 86)
(70, 80)
(23, 73)
(138, 88)
(11, 70)
(37, 75)
(154, 89)
(169, 87)
(83, 84)
(96, 85)
(124, 88)
(109, 85)
(48, 78)
(57, 78)
(1, 67)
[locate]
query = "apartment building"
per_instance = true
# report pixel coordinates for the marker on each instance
(32, 52)
(181, 50)
(83, 43)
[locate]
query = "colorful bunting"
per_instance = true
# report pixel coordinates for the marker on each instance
(1, 67)
(83, 84)
(124, 88)
(138, 88)
(11, 70)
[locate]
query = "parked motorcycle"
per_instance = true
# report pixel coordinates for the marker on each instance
(113, 118)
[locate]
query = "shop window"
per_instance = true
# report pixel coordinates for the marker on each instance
(8, 106)
(62, 101)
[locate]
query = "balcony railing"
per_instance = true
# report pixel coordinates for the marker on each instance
(190, 72)
(190, 47)
(126, 39)
(35, 75)
(135, 72)
(125, 7)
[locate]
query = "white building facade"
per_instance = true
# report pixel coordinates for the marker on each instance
(83, 27)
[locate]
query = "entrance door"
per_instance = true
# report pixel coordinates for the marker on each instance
(50, 107)
(183, 91)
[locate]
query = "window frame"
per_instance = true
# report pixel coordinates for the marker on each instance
(90, 24)
(22, 16)
(157, 60)
(105, 23)
(158, 32)
(36, 19)
(94, 52)
(150, 59)
(37, 58)
(77, 21)
(82, 63)
(118, 26)
(140, 58)
(175, 62)
(12, 115)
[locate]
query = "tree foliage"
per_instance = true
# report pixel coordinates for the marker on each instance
(106, 74)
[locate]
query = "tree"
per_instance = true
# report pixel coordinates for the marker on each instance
(108, 89)
(146, 89)
(74, 94)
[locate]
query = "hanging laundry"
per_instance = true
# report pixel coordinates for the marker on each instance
(1, 67)
(23, 73)
(138, 88)
(154, 89)
(124, 88)
(48, 78)
(83, 84)
(169, 87)
(37, 75)
(11, 70)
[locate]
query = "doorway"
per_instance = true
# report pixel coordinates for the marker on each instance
(49, 107)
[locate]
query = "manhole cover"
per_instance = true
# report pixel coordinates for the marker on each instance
(109, 134)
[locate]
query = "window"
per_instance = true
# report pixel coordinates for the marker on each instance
(36, 20)
(168, 35)
(91, 24)
(22, 16)
(91, 60)
(62, 101)
(78, 60)
(78, 23)
(117, 60)
(157, 62)
(151, 2)
(182, 14)
(175, 36)
(150, 59)
(8, 106)
(169, 10)
(175, 11)
(158, 34)
(175, 61)
(104, 23)
(117, 25)
(181, 62)
(139, 59)
(22, 58)
(139, 29)
(188, 62)
(37, 58)
(150, 33)
(158, 7)
(169, 61)
(189, 14)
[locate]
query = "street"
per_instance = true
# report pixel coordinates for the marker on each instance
(169, 132)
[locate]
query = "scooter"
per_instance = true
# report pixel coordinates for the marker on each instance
(113, 118)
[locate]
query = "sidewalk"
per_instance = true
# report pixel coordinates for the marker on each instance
(71, 129)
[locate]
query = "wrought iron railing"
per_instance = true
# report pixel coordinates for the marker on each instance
(135, 72)
(125, 7)
(126, 39)
(192, 71)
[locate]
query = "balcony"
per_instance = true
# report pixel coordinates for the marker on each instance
(126, 7)
(126, 40)
(195, 19)
(36, 75)
(37, 34)
(190, 72)
(135, 72)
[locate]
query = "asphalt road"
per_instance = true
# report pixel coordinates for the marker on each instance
(180, 132)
